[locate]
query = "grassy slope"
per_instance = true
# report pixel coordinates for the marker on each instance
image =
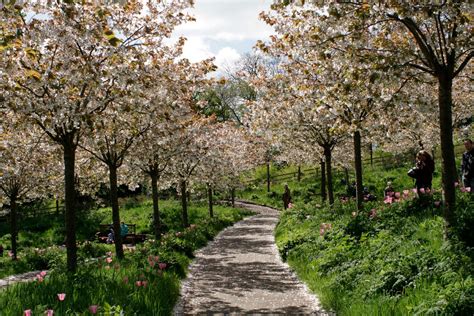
(395, 263)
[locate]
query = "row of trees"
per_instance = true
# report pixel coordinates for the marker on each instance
(92, 94)
(383, 73)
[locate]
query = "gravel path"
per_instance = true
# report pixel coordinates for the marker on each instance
(241, 272)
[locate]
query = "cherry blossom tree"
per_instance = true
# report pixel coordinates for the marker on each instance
(60, 68)
(405, 39)
(25, 167)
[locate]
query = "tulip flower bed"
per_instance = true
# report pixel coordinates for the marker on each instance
(389, 259)
(146, 282)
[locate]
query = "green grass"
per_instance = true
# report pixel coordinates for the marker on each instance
(393, 263)
(101, 283)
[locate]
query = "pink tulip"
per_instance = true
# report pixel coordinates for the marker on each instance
(422, 190)
(39, 278)
(27, 312)
(162, 266)
(397, 195)
(388, 200)
(437, 203)
(93, 309)
(138, 283)
(144, 283)
(290, 205)
(414, 191)
(61, 296)
(10, 253)
(43, 273)
(456, 184)
(49, 312)
(468, 189)
(108, 260)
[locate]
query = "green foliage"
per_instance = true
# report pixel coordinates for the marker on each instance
(387, 259)
(113, 285)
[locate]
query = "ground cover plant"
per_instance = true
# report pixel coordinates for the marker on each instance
(388, 259)
(145, 283)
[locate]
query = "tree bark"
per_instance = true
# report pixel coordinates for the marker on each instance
(268, 176)
(371, 152)
(323, 181)
(115, 211)
(69, 156)
(184, 204)
(209, 194)
(156, 208)
(328, 160)
(445, 86)
(358, 169)
(232, 194)
(13, 226)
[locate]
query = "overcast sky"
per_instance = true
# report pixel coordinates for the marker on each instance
(224, 29)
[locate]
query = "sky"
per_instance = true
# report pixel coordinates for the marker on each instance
(224, 29)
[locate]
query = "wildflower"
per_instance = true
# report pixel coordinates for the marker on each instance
(162, 265)
(49, 312)
(39, 278)
(27, 312)
(93, 309)
(61, 296)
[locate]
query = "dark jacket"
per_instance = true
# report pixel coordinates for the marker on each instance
(423, 174)
(467, 165)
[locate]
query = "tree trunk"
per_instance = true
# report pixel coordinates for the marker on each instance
(445, 86)
(299, 173)
(184, 204)
(371, 152)
(156, 208)
(323, 181)
(69, 156)
(328, 158)
(232, 194)
(346, 178)
(268, 176)
(13, 226)
(358, 169)
(115, 211)
(209, 194)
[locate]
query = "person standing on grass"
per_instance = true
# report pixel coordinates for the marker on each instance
(423, 171)
(286, 197)
(467, 165)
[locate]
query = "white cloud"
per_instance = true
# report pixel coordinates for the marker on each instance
(226, 57)
(224, 28)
